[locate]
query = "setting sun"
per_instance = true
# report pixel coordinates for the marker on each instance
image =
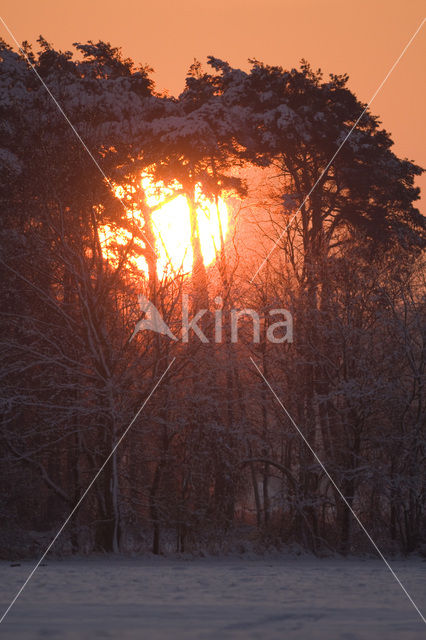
(172, 227)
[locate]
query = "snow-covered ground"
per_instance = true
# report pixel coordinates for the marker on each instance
(276, 597)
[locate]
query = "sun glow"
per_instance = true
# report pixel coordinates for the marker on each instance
(171, 224)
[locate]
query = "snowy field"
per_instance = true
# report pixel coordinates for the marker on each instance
(284, 597)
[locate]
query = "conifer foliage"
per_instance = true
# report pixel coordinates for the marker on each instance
(213, 461)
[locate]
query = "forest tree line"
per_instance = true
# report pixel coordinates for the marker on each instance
(213, 459)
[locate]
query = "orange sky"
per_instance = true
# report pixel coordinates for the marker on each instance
(361, 38)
